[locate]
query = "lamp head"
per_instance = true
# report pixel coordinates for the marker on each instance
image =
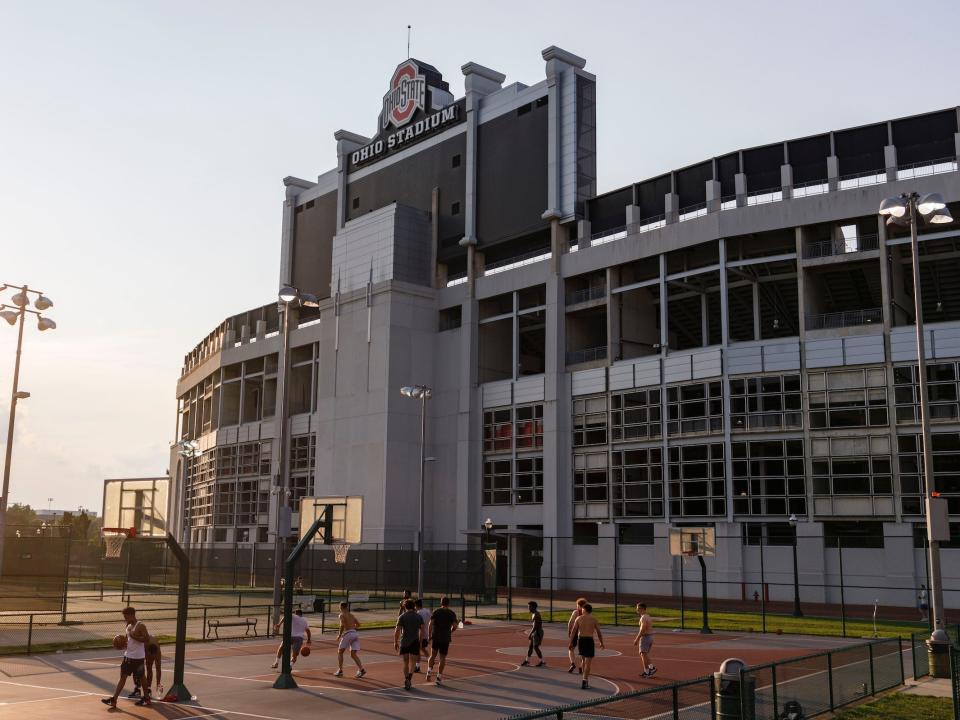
(310, 300)
(940, 217)
(44, 323)
(930, 202)
(893, 207)
(20, 299)
(22, 395)
(793, 519)
(10, 316)
(488, 524)
(43, 303)
(288, 294)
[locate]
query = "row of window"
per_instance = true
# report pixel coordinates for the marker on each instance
(509, 429)
(508, 481)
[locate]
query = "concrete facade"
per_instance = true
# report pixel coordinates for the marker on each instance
(615, 340)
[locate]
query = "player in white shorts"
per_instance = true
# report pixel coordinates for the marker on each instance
(348, 638)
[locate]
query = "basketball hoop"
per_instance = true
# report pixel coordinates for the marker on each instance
(114, 538)
(340, 552)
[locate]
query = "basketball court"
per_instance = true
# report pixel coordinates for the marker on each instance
(233, 679)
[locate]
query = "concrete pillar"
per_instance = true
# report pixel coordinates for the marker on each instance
(713, 196)
(294, 186)
(740, 185)
(583, 234)
(956, 144)
(833, 172)
(786, 180)
(633, 215)
(890, 162)
(244, 334)
(261, 330)
(671, 208)
(347, 142)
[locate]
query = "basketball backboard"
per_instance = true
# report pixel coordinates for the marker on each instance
(139, 503)
(693, 541)
(343, 518)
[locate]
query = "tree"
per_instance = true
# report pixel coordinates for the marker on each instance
(21, 515)
(81, 526)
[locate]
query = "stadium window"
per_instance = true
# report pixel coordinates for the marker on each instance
(455, 208)
(635, 415)
(586, 533)
(356, 203)
(498, 430)
(496, 481)
(590, 421)
(450, 318)
(635, 533)
(455, 161)
(637, 482)
(853, 534)
(529, 427)
(529, 481)
(590, 477)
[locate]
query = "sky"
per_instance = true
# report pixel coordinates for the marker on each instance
(142, 148)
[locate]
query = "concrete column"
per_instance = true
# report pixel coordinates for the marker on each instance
(713, 196)
(469, 422)
(294, 186)
(725, 340)
(559, 64)
(890, 162)
(833, 172)
(755, 286)
(583, 234)
(347, 142)
(801, 288)
(956, 144)
(557, 241)
(557, 482)
(740, 185)
(261, 330)
(671, 208)
(633, 215)
(614, 324)
(244, 334)
(664, 334)
(786, 180)
(479, 81)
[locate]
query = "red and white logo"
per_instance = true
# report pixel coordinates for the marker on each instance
(407, 94)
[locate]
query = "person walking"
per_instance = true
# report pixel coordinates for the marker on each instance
(644, 641)
(443, 624)
(577, 612)
(585, 627)
(535, 635)
(406, 641)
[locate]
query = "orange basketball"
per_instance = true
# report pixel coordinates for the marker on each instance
(119, 642)
(305, 650)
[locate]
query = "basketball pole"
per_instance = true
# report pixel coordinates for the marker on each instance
(285, 679)
(705, 630)
(178, 691)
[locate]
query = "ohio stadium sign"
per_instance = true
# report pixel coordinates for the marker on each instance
(405, 108)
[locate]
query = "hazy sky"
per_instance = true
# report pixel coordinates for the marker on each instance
(142, 147)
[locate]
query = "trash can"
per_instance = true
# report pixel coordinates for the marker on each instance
(318, 605)
(727, 691)
(938, 654)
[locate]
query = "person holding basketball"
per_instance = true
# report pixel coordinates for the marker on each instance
(406, 640)
(299, 630)
(133, 646)
(577, 612)
(348, 638)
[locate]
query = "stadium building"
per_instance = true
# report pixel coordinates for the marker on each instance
(726, 344)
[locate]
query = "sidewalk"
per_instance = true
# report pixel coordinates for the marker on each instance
(933, 687)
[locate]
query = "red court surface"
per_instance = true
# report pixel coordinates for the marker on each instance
(232, 679)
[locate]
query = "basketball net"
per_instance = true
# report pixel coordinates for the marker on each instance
(340, 552)
(113, 542)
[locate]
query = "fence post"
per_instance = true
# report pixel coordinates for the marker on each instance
(30, 634)
(269, 614)
(843, 604)
(683, 625)
(830, 677)
(239, 603)
(763, 590)
(913, 654)
(903, 678)
(773, 689)
(675, 693)
(616, 578)
(551, 577)
(204, 626)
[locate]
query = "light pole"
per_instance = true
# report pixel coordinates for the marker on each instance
(797, 612)
(289, 297)
(13, 314)
(904, 210)
(421, 393)
(186, 449)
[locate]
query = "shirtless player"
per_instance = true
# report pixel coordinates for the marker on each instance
(583, 629)
(577, 612)
(348, 638)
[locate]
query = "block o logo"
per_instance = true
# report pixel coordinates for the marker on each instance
(407, 94)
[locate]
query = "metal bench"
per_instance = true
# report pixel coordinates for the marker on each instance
(358, 601)
(216, 623)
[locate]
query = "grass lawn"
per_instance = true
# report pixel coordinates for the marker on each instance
(901, 707)
(744, 622)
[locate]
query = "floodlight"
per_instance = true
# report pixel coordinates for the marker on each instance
(894, 207)
(289, 294)
(940, 217)
(43, 303)
(44, 323)
(10, 316)
(930, 202)
(22, 395)
(20, 299)
(310, 300)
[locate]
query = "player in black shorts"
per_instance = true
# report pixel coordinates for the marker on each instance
(585, 627)
(443, 623)
(535, 636)
(406, 640)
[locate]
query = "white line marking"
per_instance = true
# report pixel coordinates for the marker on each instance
(58, 697)
(45, 687)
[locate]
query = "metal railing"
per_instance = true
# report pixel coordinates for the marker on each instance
(728, 202)
(693, 211)
(811, 187)
(862, 179)
(653, 222)
(926, 167)
(595, 292)
(575, 357)
(529, 258)
(842, 246)
(605, 236)
(846, 318)
(763, 197)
